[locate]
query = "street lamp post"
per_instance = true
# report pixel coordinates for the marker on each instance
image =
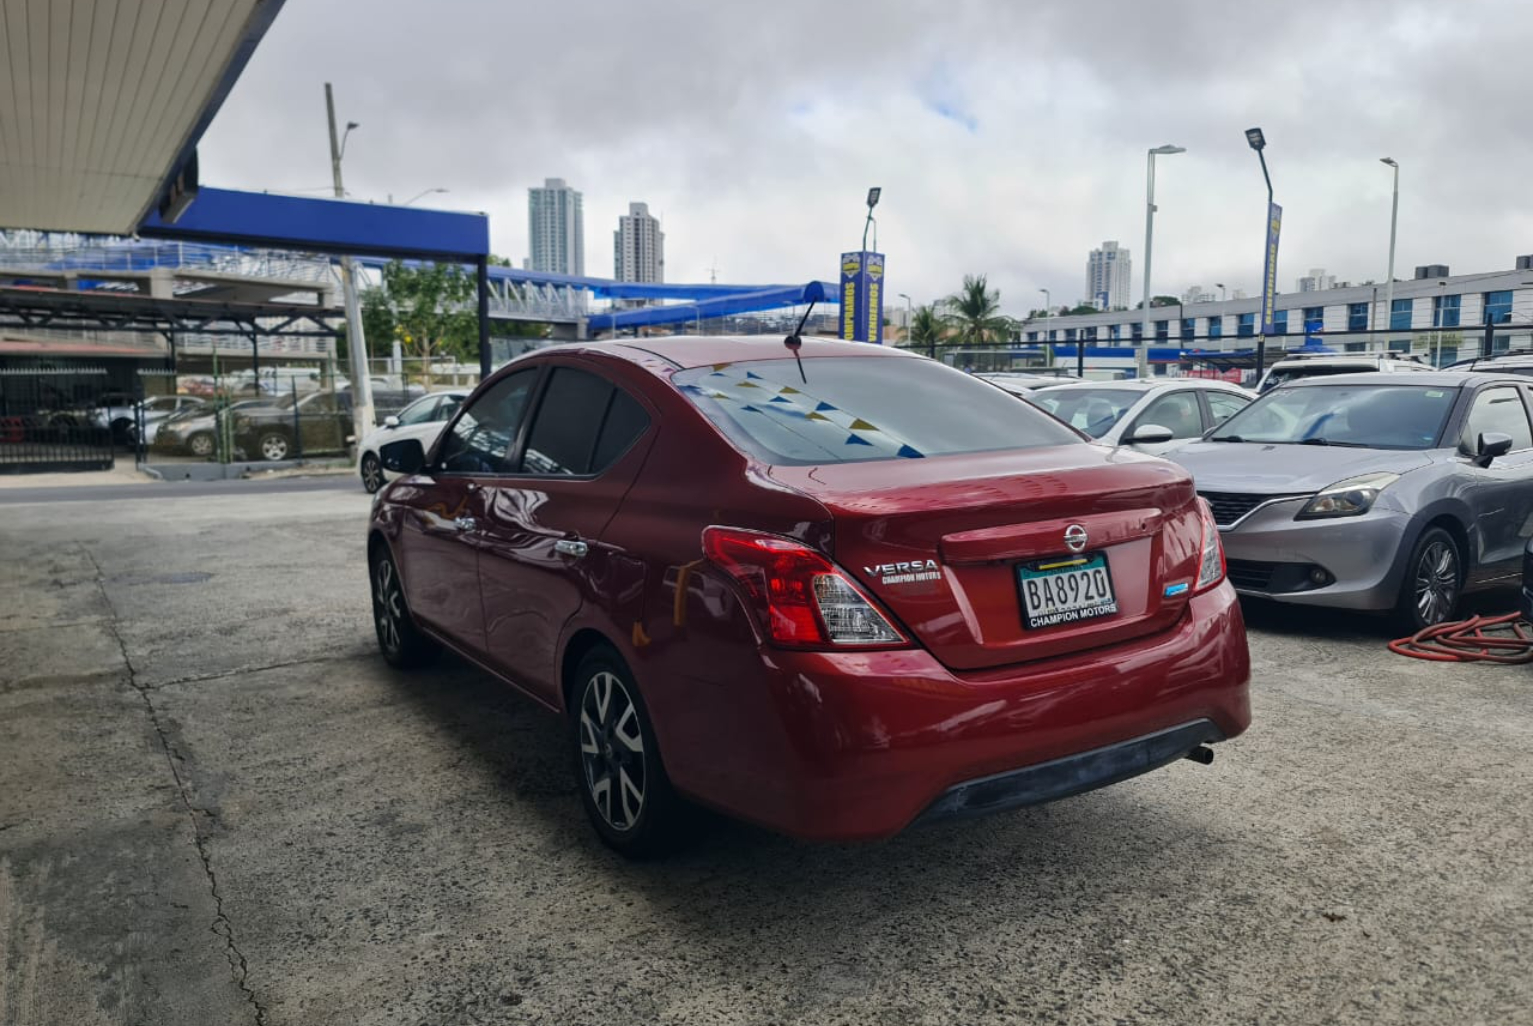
(908, 318)
(1258, 143)
(1142, 364)
(873, 195)
(1394, 214)
(361, 387)
(422, 195)
(1220, 286)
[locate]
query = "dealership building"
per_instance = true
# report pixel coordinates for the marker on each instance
(1435, 314)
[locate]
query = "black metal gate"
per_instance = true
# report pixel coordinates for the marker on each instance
(55, 419)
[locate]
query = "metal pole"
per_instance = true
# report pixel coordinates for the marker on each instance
(361, 386)
(1394, 214)
(1142, 361)
(1261, 339)
(482, 272)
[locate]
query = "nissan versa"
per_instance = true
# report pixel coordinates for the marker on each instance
(826, 587)
(1383, 492)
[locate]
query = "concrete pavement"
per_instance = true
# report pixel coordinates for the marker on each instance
(217, 805)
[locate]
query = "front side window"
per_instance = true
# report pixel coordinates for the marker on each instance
(422, 411)
(1499, 411)
(854, 409)
(1177, 411)
(320, 402)
(1356, 416)
(480, 440)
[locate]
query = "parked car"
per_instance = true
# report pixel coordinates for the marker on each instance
(1153, 415)
(113, 411)
(320, 422)
(194, 430)
(154, 411)
(1513, 362)
(1310, 365)
(422, 419)
(1379, 492)
(1023, 384)
(789, 592)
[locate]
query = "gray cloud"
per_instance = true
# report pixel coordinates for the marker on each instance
(1009, 138)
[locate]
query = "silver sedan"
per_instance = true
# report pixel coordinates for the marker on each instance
(1381, 492)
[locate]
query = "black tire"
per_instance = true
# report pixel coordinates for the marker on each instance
(401, 642)
(372, 473)
(1434, 582)
(201, 444)
(122, 429)
(273, 446)
(622, 780)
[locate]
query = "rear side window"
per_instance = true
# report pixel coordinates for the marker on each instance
(583, 424)
(853, 409)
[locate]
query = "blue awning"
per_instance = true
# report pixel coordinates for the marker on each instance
(771, 298)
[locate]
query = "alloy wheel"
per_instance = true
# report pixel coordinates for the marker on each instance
(1436, 582)
(612, 750)
(201, 445)
(388, 606)
(372, 473)
(274, 447)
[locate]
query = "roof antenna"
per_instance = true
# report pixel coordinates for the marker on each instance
(794, 343)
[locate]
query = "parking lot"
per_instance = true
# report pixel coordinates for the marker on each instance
(222, 807)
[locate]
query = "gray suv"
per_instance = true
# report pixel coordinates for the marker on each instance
(1382, 492)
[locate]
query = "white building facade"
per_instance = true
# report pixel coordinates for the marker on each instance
(555, 229)
(638, 246)
(1109, 271)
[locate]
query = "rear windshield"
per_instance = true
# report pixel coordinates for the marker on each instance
(1356, 416)
(1093, 410)
(854, 409)
(1287, 374)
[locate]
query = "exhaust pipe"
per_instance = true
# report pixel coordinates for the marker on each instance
(1203, 754)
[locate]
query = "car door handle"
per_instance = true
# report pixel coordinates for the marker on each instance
(570, 547)
(465, 523)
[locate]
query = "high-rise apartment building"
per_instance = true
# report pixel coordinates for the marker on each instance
(638, 246)
(1317, 281)
(555, 229)
(1108, 271)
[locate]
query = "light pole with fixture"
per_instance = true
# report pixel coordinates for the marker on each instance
(1274, 223)
(873, 195)
(908, 315)
(422, 195)
(1142, 364)
(356, 342)
(1220, 286)
(1394, 214)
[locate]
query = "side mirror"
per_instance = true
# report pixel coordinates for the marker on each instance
(407, 456)
(391, 422)
(1491, 445)
(1150, 434)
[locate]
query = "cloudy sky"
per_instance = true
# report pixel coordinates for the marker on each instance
(1009, 138)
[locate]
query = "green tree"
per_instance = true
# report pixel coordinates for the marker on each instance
(925, 331)
(974, 313)
(429, 307)
(1084, 308)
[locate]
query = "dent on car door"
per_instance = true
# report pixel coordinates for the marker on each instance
(544, 554)
(441, 510)
(1501, 495)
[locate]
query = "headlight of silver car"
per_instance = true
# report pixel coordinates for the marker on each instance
(1350, 498)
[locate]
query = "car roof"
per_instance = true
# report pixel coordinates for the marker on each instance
(688, 351)
(1425, 379)
(1156, 385)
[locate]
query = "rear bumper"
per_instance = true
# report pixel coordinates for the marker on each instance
(856, 746)
(1071, 775)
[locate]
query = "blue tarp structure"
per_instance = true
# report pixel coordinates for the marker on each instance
(770, 298)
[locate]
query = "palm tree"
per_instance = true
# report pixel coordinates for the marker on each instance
(925, 330)
(974, 313)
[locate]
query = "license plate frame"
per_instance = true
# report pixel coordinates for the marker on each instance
(1046, 610)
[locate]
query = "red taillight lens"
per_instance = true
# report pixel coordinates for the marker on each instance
(1211, 561)
(798, 595)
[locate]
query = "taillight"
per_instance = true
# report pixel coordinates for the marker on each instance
(1211, 563)
(797, 594)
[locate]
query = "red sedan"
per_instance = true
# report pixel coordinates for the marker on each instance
(831, 596)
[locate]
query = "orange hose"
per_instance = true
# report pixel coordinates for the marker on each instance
(1479, 639)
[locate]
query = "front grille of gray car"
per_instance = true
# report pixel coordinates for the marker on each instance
(1229, 507)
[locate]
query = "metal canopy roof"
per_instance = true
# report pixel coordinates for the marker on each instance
(22, 309)
(105, 102)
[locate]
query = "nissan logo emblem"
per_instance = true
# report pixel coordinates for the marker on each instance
(1075, 537)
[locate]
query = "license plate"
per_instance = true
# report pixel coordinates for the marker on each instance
(1065, 589)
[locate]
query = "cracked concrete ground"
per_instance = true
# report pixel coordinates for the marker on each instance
(218, 806)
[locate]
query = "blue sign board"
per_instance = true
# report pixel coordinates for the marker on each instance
(862, 296)
(1269, 273)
